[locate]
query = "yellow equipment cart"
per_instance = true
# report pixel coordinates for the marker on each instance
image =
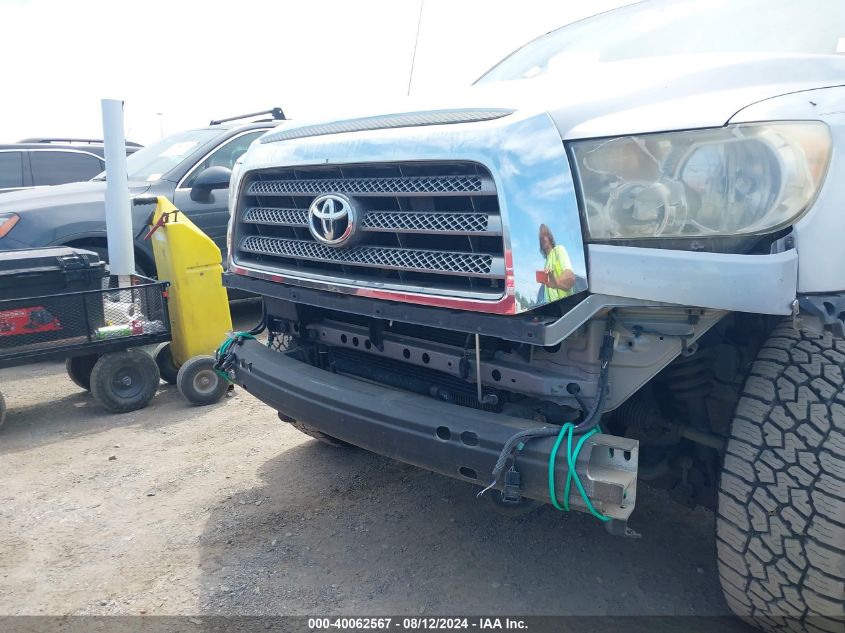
(198, 303)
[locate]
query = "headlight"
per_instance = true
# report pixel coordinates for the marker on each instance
(7, 222)
(736, 180)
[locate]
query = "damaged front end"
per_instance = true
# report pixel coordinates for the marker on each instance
(423, 386)
(425, 289)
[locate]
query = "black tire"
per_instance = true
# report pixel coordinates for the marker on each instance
(124, 381)
(317, 435)
(2, 411)
(781, 522)
(199, 383)
(79, 370)
(166, 367)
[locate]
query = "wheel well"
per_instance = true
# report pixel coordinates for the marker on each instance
(144, 261)
(681, 414)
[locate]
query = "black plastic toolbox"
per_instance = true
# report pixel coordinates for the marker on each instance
(38, 303)
(47, 271)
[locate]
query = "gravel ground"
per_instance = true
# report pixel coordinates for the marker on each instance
(179, 510)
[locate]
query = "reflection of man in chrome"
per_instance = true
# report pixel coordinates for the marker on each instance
(557, 276)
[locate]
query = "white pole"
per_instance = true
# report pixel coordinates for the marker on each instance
(118, 206)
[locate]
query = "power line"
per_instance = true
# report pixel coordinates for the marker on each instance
(416, 42)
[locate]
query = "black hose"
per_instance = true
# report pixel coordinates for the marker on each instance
(262, 322)
(594, 416)
(605, 356)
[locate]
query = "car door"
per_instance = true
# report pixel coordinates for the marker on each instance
(212, 217)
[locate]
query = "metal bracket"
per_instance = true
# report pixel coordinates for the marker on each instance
(617, 527)
(820, 312)
(377, 333)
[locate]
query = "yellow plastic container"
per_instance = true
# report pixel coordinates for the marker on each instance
(198, 302)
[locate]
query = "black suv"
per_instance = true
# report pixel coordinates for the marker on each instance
(190, 168)
(34, 162)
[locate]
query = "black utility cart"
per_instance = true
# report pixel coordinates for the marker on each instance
(61, 303)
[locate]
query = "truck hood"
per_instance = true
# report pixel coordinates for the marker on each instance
(75, 193)
(633, 96)
(514, 130)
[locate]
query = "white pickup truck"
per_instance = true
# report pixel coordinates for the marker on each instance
(619, 255)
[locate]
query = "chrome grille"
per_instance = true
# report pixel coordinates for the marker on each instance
(431, 228)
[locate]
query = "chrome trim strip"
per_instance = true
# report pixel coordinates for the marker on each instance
(386, 121)
(492, 302)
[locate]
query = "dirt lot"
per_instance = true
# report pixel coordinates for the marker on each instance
(225, 510)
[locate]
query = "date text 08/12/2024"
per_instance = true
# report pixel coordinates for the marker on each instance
(416, 623)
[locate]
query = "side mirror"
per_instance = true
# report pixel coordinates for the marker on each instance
(208, 180)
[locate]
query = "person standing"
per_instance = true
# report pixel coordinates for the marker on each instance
(557, 276)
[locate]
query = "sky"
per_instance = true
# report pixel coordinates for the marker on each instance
(177, 64)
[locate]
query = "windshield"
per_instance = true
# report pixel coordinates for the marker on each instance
(661, 28)
(151, 162)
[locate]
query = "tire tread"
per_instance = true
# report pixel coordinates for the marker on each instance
(781, 521)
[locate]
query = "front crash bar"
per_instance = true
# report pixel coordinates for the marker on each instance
(452, 440)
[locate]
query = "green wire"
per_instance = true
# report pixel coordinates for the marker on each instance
(567, 430)
(224, 348)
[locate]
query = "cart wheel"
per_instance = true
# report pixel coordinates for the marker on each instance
(124, 381)
(166, 367)
(79, 370)
(199, 383)
(2, 410)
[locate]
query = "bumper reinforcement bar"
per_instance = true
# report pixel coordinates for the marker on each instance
(455, 441)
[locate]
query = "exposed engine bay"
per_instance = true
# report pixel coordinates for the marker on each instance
(672, 383)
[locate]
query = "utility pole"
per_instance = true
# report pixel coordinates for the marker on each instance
(118, 207)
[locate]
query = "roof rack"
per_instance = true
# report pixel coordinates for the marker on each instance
(88, 141)
(277, 113)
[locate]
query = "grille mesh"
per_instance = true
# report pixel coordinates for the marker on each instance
(285, 217)
(362, 186)
(373, 256)
(428, 222)
(381, 220)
